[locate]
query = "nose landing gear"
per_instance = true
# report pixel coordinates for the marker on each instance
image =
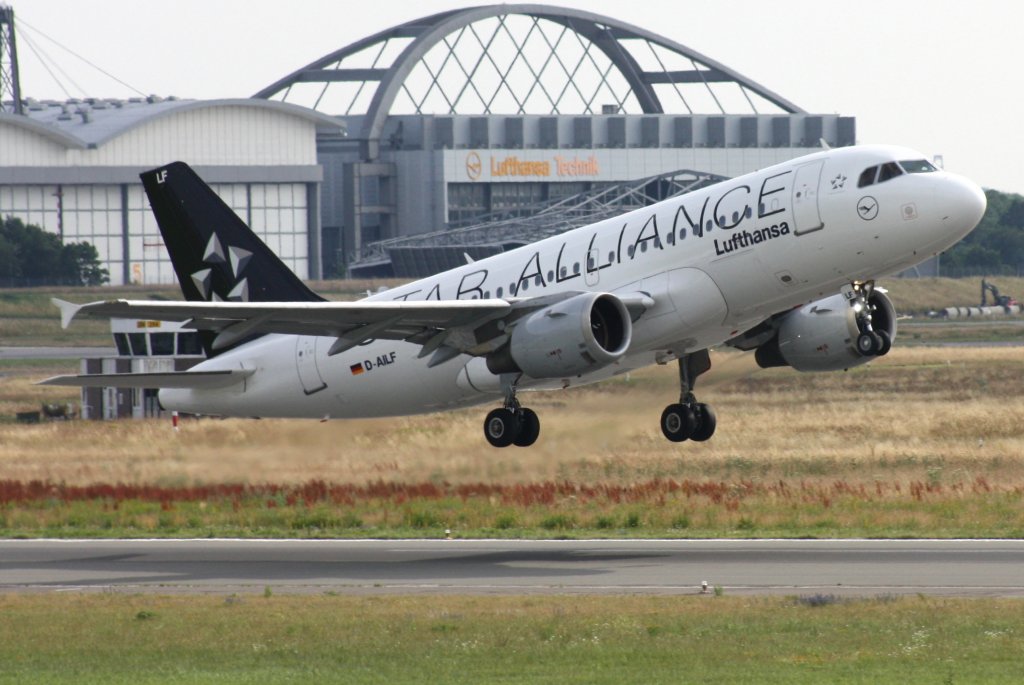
(870, 342)
(689, 419)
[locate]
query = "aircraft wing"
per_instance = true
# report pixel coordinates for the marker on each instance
(444, 328)
(350, 322)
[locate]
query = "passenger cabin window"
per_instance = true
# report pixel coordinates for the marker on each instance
(867, 177)
(888, 171)
(918, 166)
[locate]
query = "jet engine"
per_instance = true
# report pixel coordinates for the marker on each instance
(832, 334)
(583, 333)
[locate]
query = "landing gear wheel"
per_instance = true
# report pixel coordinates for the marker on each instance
(502, 427)
(886, 343)
(529, 428)
(678, 422)
(706, 422)
(869, 343)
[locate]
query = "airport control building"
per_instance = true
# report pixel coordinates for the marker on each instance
(463, 133)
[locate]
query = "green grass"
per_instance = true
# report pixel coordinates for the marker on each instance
(271, 638)
(921, 295)
(1009, 330)
(654, 509)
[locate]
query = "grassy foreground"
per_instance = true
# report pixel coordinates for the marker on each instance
(924, 442)
(660, 508)
(588, 639)
(449, 639)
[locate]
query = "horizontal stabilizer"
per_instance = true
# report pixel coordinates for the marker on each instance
(68, 310)
(171, 379)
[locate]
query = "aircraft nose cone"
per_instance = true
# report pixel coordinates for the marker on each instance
(965, 203)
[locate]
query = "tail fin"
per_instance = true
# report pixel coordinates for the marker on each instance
(216, 256)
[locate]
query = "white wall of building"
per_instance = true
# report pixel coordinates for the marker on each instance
(22, 147)
(217, 135)
(223, 136)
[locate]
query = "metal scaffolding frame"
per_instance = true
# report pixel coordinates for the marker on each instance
(498, 231)
(10, 86)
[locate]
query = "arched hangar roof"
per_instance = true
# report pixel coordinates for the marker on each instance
(519, 59)
(94, 122)
(47, 131)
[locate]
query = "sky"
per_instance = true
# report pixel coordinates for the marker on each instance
(940, 76)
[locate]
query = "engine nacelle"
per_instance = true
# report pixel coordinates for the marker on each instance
(823, 335)
(577, 335)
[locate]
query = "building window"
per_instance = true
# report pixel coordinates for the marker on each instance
(466, 202)
(189, 343)
(162, 343)
(276, 212)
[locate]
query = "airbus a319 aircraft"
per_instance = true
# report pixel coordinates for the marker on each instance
(781, 261)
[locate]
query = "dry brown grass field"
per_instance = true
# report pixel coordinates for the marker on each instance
(926, 441)
(931, 413)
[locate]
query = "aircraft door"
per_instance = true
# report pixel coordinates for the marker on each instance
(592, 270)
(805, 198)
(305, 362)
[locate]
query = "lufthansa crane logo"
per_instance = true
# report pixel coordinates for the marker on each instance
(474, 166)
(867, 208)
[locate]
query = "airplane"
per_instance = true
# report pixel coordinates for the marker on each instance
(782, 261)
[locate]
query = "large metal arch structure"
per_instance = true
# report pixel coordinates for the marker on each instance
(603, 33)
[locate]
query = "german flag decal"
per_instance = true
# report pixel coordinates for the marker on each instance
(356, 369)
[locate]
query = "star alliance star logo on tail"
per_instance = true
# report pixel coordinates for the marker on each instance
(215, 255)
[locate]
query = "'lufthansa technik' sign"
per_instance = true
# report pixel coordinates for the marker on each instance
(491, 167)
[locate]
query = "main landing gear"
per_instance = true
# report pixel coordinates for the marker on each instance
(514, 424)
(689, 419)
(511, 424)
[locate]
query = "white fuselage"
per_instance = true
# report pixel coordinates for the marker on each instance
(716, 262)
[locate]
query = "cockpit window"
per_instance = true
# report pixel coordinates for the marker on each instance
(889, 170)
(867, 177)
(917, 166)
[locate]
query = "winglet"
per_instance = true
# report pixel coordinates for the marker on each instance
(68, 311)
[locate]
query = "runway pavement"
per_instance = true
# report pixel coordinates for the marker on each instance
(858, 567)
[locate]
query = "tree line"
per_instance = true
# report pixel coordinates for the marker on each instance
(31, 256)
(996, 246)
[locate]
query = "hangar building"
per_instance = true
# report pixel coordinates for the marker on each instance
(502, 111)
(72, 168)
(402, 152)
